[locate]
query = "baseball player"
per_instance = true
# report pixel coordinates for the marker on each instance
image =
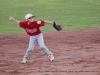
(32, 28)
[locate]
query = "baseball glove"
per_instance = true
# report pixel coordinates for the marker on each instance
(57, 26)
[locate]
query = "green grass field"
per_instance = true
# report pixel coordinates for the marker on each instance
(72, 14)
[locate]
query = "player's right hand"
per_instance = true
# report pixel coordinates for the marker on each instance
(11, 18)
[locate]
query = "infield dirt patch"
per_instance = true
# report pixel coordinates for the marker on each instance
(77, 52)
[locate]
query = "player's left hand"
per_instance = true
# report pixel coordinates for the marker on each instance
(58, 27)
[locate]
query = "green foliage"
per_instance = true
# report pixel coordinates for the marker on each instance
(72, 14)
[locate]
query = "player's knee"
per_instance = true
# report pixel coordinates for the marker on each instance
(42, 47)
(30, 49)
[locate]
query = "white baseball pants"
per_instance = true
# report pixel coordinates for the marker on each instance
(32, 42)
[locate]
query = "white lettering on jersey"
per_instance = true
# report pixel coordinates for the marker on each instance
(38, 22)
(31, 30)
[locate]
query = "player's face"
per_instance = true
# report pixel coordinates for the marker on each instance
(30, 20)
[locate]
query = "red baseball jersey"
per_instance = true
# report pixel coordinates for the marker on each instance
(33, 28)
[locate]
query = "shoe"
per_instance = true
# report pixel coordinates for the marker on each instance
(24, 60)
(51, 57)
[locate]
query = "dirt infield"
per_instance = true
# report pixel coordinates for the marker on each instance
(77, 52)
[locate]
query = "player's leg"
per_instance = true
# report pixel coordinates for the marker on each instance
(30, 48)
(44, 48)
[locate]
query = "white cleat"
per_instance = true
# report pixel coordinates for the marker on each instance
(51, 57)
(24, 60)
